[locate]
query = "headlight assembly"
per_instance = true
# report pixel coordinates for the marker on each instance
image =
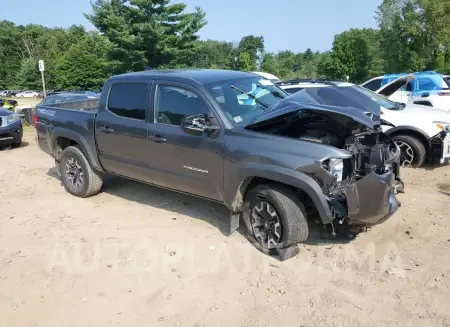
(10, 119)
(335, 167)
(443, 126)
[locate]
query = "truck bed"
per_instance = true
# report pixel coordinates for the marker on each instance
(55, 120)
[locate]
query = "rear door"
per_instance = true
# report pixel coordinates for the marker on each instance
(179, 160)
(121, 130)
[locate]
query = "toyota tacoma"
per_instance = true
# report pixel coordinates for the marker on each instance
(234, 138)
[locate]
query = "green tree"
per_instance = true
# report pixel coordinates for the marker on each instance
(254, 47)
(148, 32)
(84, 65)
(10, 60)
(245, 62)
(214, 54)
(269, 64)
(350, 56)
(28, 75)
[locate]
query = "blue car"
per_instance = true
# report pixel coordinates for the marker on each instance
(11, 131)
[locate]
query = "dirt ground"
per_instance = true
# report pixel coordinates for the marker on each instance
(135, 255)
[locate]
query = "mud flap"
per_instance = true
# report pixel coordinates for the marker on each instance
(234, 222)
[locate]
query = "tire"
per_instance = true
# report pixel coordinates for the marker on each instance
(290, 211)
(417, 147)
(17, 144)
(87, 181)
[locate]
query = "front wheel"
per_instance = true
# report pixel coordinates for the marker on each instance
(274, 216)
(78, 177)
(413, 152)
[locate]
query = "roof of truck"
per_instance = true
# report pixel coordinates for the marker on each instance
(202, 76)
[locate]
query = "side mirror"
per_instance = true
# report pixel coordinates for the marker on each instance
(197, 124)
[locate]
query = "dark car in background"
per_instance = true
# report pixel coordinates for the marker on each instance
(11, 131)
(63, 97)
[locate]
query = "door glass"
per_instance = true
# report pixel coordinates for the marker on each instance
(174, 103)
(373, 85)
(128, 100)
(426, 84)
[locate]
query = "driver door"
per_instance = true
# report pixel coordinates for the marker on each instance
(180, 160)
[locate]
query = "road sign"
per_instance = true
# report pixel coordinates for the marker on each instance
(41, 66)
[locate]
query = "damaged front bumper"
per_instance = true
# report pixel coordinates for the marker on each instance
(371, 200)
(439, 148)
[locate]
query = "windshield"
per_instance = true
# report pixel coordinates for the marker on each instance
(245, 98)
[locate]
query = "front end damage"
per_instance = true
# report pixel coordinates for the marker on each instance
(439, 148)
(371, 178)
(361, 179)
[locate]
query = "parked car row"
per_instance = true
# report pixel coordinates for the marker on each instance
(35, 94)
(420, 131)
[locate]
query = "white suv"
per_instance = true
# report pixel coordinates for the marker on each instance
(421, 132)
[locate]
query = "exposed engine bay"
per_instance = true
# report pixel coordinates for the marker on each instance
(368, 176)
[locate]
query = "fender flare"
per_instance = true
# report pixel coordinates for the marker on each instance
(91, 156)
(301, 181)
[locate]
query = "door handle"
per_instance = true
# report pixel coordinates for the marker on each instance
(105, 129)
(157, 138)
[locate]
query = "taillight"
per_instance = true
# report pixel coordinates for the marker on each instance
(443, 94)
(35, 120)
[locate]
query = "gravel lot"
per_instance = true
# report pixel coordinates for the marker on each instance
(136, 255)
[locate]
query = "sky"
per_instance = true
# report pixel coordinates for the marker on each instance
(285, 24)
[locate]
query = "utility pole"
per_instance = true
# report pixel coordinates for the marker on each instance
(42, 69)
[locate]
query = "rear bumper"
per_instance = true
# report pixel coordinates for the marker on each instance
(11, 134)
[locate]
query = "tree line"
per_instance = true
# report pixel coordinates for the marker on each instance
(413, 35)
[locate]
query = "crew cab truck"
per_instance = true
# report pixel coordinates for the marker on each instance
(270, 159)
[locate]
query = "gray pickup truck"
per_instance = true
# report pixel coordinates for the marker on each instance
(231, 137)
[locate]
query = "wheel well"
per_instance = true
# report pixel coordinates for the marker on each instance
(251, 182)
(60, 144)
(414, 134)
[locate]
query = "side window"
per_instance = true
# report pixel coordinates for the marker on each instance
(128, 100)
(174, 103)
(373, 85)
(426, 84)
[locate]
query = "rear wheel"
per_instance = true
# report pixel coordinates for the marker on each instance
(413, 151)
(274, 216)
(78, 177)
